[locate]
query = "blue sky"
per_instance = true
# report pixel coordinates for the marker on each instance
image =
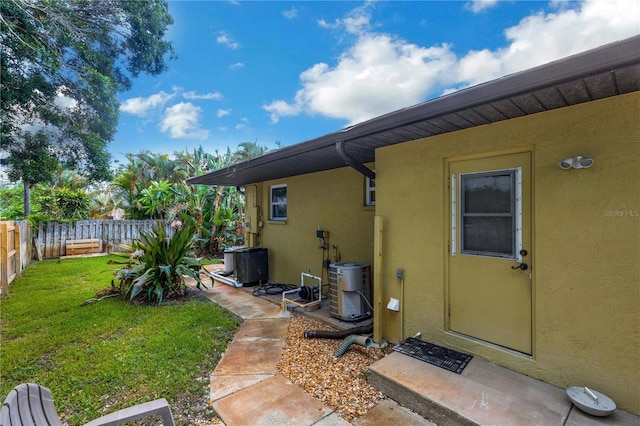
(276, 71)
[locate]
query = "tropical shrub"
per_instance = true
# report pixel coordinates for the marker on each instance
(158, 264)
(224, 227)
(72, 204)
(156, 198)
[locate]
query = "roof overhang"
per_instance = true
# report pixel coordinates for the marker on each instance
(606, 71)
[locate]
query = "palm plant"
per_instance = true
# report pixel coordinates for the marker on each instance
(127, 185)
(247, 150)
(156, 198)
(158, 264)
(104, 204)
(153, 186)
(161, 167)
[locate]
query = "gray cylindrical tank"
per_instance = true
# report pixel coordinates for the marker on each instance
(350, 276)
(349, 290)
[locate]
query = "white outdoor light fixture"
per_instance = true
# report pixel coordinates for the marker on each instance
(578, 162)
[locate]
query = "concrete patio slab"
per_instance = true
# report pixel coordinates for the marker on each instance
(251, 357)
(617, 418)
(517, 389)
(483, 394)
(332, 420)
(243, 303)
(226, 384)
(270, 328)
(255, 349)
(389, 412)
(272, 402)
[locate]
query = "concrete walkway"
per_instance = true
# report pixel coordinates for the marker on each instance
(246, 388)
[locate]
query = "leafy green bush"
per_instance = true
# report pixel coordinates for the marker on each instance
(158, 263)
(72, 204)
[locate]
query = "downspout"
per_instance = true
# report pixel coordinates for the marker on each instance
(352, 162)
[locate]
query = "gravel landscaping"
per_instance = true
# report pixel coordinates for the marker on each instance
(341, 382)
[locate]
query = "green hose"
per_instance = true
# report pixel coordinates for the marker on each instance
(354, 338)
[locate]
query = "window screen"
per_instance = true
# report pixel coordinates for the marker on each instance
(488, 213)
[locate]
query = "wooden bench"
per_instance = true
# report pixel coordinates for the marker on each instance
(90, 245)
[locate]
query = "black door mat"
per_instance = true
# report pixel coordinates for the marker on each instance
(434, 354)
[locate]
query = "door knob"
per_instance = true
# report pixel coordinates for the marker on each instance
(522, 266)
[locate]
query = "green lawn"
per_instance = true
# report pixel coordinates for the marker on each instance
(105, 353)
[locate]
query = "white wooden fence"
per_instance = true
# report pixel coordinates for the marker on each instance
(51, 237)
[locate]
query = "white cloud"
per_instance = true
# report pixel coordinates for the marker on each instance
(357, 21)
(63, 101)
(141, 106)
(280, 108)
(291, 13)
(377, 75)
(226, 39)
(242, 124)
(542, 38)
(193, 95)
(181, 121)
(477, 6)
(236, 66)
(380, 73)
(223, 112)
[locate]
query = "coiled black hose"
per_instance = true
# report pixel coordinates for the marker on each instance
(323, 334)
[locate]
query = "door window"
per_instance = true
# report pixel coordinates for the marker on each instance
(490, 214)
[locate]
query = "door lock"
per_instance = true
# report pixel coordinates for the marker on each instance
(522, 266)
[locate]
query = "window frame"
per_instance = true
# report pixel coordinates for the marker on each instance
(368, 191)
(457, 200)
(273, 204)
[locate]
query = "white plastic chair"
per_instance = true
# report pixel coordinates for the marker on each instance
(30, 404)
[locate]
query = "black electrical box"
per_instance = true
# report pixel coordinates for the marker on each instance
(251, 265)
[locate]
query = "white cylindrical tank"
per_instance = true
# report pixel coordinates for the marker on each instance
(228, 259)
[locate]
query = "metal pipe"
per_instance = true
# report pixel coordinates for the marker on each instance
(222, 279)
(365, 301)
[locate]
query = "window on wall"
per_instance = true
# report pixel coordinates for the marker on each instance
(370, 192)
(278, 202)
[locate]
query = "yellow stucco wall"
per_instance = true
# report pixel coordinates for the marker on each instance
(586, 242)
(333, 200)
